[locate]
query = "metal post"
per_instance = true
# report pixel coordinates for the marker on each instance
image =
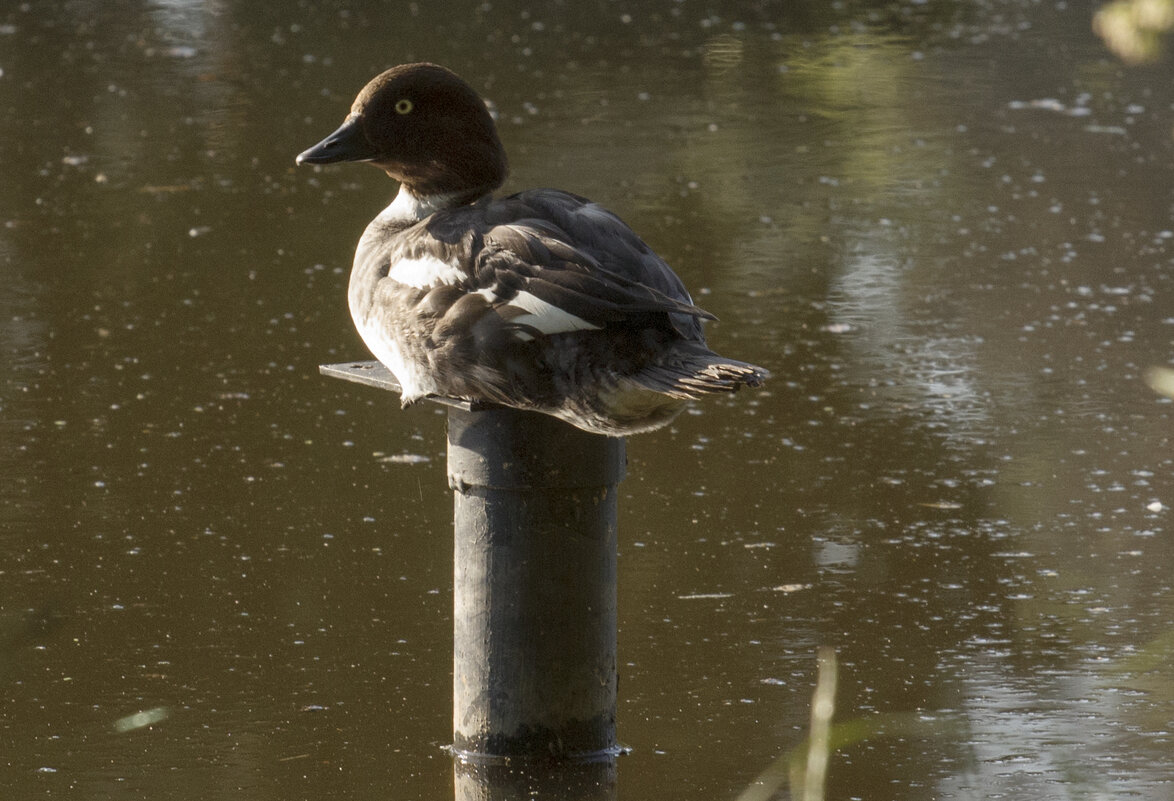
(534, 596)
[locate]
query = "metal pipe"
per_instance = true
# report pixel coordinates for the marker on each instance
(534, 594)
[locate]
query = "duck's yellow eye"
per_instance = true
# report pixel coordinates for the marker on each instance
(403, 106)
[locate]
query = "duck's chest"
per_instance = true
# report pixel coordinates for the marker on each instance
(392, 316)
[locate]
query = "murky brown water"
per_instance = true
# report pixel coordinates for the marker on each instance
(946, 228)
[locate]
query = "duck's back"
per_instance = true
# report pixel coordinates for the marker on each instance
(558, 239)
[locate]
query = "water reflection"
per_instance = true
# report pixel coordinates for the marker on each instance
(944, 227)
(592, 781)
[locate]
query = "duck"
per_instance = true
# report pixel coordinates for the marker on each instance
(541, 300)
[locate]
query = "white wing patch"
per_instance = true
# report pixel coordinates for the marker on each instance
(546, 317)
(425, 272)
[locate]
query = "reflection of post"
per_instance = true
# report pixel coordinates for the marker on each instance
(567, 781)
(534, 622)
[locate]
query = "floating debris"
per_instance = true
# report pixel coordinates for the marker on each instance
(1050, 104)
(165, 189)
(142, 720)
(788, 588)
(403, 458)
(1161, 380)
(941, 505)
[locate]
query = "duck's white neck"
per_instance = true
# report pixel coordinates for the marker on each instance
(409, 208)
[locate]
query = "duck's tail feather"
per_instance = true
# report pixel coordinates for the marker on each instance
(697, 371)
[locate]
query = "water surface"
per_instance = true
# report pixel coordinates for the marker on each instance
(944, 227)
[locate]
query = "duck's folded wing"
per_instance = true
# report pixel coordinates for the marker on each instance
(534, 276)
